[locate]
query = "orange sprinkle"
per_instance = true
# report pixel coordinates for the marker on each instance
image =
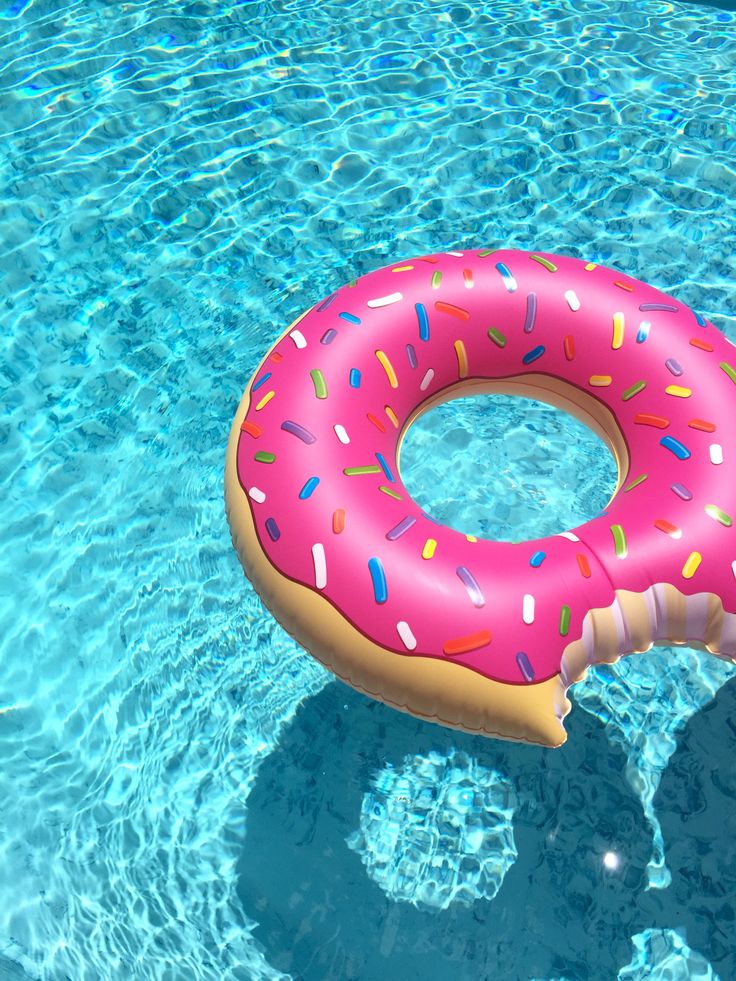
(462, 359)
(470, 642)
(643, 419)
(668, 528)
(276, 357)
(338, 521)
(468, 277)
(250, 428)
(569, 346)
(583, 565)
(428, 258)
(702, 425)
(624, 286)
(376, 422)
(392, 416)
(450, 308)
(600, 381)
(703, 345)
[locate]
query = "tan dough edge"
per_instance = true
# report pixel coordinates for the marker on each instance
(434, 690)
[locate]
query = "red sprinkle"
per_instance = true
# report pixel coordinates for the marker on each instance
(624, 286)
(450, 308)
(376, 422)
(338, 521)
(702, 425)
(666, 526)
(642, 419)
(583, 565)
(470, 642)
(569, 346)
(703, 345)
(276, 357)
(250, 428)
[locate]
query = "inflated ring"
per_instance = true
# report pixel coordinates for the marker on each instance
(481, 635)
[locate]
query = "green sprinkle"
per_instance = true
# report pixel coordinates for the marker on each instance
(715, 512)
(352, 283)
(320, 386)
(564, 621)
(357, 471)
(263, 457)
(635, 483)
(436, 279)
(544, 262)
(485, 252)
(619, 541)
(731, 372)
(387, 490)
(634, 390)
(497, 337)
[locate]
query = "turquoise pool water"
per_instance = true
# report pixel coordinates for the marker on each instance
(184, 793)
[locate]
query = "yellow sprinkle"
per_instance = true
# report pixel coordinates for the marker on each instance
(691, 566)
(429, 546)
(402, 268)
(392, 416)
(679, 391)
(471, 538)
(265, 400)
(618, 331)
(388, 368)
(600, 381)
(589, 266)
(462, 359)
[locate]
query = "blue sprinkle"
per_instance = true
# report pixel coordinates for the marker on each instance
(537, 559)
(354, 378)
(385, 467)
(273, 530)
(508, 280)
(325, 303)
(423, 321)
(700, 320)
(643, 331)
(351, 318)
(533, 355)
(309, 488)
(525, 666)
(378, 578)
(329, 336)
(411, 355)
(262, 381)
(675, 446)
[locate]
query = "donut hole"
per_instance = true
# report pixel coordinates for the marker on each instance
(506, 467)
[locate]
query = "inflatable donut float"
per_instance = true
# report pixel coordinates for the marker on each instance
(481, 635)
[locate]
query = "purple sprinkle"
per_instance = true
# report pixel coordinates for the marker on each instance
(673, 366)
(411, 355)
(398, 530)
(273, 530)
(296, 430)
(682, 491)
(668, 307)
(469, 581)
(531, 313)
(329, 336)
(525, 666)
(325, 303)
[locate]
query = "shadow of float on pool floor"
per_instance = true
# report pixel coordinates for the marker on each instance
(559, 913)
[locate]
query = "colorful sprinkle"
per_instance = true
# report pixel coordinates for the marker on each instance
(702, 345)
(633, 390)
(436, 279)
(527, 608)
(309, 488)
(325, 303)
(378, 579)
(572, 300)
(276, 357)
(402, 268)
(564, 621)
(385, 467)
(619, 541)
(320, 565)
(730, 371)
(702, 425)
(568, 346)
(590, 266)
(527, 671)
(350, 317)
(668, 528)
(251, 429)
(401, 528)
(392, 416)
(497, 337)
(423, 321)
(391, 493)
(692, 564)
(537, 559)
(361, 471)
(569, 535)
(468, 279)
(263, 457)
(623, 286)
(462, 359)
(320, 386)
(428, 549)
(700, 320)
(470, 642)
(583, 565)
(298, 338)
(273, 529)
(534, 354)
(674, 367)
(646, 419)
(262, 381)
(484, 253)
(618, 331)
(508, 280)
(635, 483)
(411, 355)
(388, 368)
(427, 379)
(718, 515)
(385, 301)
(675, 446)
(678, 391)
(667, 307)
(407, 637)
(338, 521)
(474, 591)
(354, 378)
(341, 433)
(257, 495)
(643, 332)
(531, 313)
(299, 431)
(550, 266)
(716, 453)
(265, 400)
(329, 336)
(600, 381)
(682, 491)
(454, 311)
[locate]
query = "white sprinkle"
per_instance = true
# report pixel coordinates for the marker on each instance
(716, 453)
(340, 433)
(384, 301)
(569, 536)
(298, 338)
(407, 637)
(427, 379)
(257, 495)
(458, 254)
(527, 611)
(733, 569)
(572, 300)
(320, 565)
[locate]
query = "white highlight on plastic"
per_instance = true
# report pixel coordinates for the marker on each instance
(258, 496)
(527, 610)
(716, 453)
(407, 637)
(733, 569)
(427, 379)
(298, 338)
(320, 565)
(569, 536)
(340, 433)
(572, 300)
(611, 861)
(384, 301)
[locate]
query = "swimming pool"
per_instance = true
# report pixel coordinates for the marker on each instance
(185, 794)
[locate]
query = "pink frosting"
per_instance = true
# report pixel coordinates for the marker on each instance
(411, 330)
